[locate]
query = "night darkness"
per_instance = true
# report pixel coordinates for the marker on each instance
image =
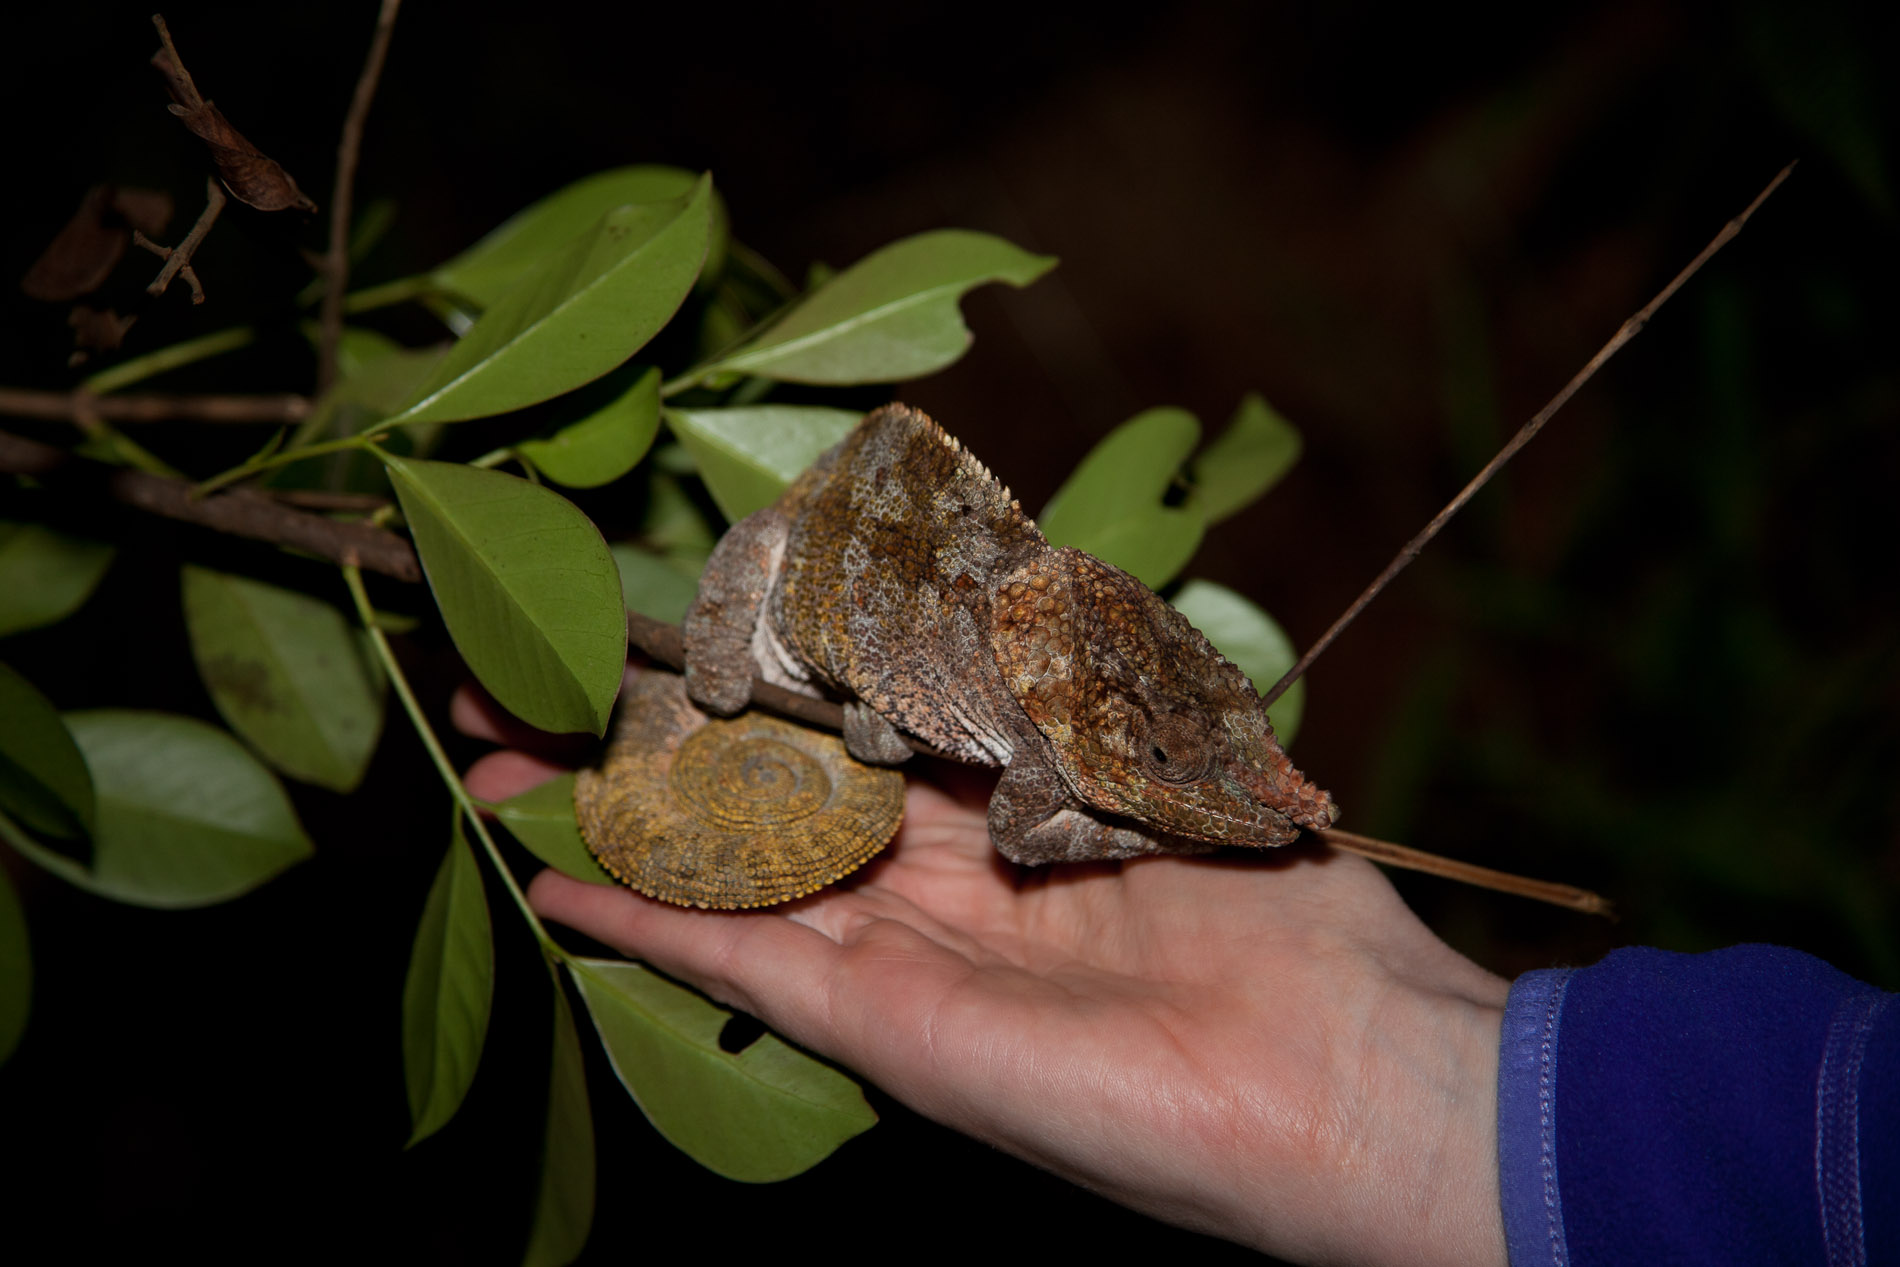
(1660, 659)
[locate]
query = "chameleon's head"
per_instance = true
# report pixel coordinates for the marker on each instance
(1144, 717)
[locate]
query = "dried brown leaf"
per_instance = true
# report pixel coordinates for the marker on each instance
(147, 210)
(250, 175)
(82, 254)
(96, 331)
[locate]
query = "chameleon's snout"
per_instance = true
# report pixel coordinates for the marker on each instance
(1289, 793)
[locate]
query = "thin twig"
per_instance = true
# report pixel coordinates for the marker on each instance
(240, 512)
(321, 499)
(336, 264)
(21, 402)
(178, 257)
(1624, 334)
(1409, 859)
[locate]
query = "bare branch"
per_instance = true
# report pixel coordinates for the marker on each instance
(280, 410)
(239, 512)
(178, 258)
(336, 263)
(1525, 434)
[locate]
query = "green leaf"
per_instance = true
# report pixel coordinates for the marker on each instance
(1251, 639)
(564, 1204)
(522, 243)
(653, 586)
(747, 456)
(287, 674)
(1258, 447)
(608, 441)
(764, 1114)
(186, 817)
(1111, 505)
(44, 783)
(578, 314)
(542, 819)
(891, 316)
(16, 969)
(526, 586)
(446, 997)
(45, 575)
(673, 524)
(378, 373)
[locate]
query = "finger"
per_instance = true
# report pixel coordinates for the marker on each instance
(476, 713)
(861, 1003)
(757, 962)
(500, 775)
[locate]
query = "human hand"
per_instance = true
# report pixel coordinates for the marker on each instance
(1272, 1049)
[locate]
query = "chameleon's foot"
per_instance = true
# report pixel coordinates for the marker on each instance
(872, 739)
(719, 625)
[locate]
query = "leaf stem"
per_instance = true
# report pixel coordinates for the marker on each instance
(353, 577)
(270, 461)
(170, 357)
(389, 293)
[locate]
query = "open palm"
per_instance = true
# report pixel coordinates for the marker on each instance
(1271, 1049)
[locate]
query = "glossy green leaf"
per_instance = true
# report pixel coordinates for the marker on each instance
(747, 456)
(1111, 505)
(526, 586)
(16, 969)
(44, 783)
(525, 241)
(45, 575)
(564, 1202)
(673, 524)
(186, 816)
(582, 311)
(542, 819)
(766, 1113)
(607, 441)
(1258, 447)
(1251, 639)
(891, 316)
(287, 674)
(653, 586)
(378, 373)
(446, 997)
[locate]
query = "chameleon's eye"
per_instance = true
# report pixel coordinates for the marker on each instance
(1176, 749)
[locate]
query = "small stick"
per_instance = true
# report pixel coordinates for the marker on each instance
(21, 402)
(178, 258)
(1403, 856)
(239, 513)
(336, 261)
(1624, 334)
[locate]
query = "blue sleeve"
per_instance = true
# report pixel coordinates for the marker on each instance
(1730, 1108)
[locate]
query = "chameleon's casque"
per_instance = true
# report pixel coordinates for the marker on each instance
(899, 574)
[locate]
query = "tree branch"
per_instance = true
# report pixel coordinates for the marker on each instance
(178, 258)
(336, 263)
(240, 512)
(282, 410)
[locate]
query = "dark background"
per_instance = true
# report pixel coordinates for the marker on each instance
(1658, 659)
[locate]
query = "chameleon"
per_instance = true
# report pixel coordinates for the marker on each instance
(899, 575)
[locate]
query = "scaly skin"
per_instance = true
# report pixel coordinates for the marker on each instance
(899, 573)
